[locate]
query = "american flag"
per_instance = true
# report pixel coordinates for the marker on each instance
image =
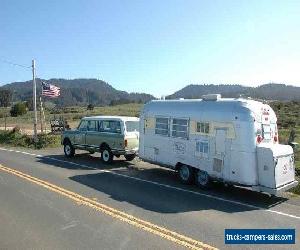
(50, 90)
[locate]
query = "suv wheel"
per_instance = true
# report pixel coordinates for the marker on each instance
(69, 149)
(106, 155)
(129, 157)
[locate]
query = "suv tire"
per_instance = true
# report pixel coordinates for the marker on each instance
(129, 157)
(69, 149)
(106, 155)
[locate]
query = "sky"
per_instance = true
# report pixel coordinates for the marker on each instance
(157, 47)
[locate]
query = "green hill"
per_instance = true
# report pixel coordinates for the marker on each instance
(78, 92)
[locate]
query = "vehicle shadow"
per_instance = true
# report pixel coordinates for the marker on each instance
(164, 199)
(84, 161)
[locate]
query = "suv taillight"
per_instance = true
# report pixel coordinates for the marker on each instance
(125, 143)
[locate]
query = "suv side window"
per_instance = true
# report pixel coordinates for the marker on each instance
(82, 125)
(110, 126)
(92, 125)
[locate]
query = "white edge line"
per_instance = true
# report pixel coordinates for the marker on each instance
(159, 184)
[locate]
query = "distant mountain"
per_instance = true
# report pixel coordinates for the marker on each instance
(271, 91)
(97, 92)
(78, 92)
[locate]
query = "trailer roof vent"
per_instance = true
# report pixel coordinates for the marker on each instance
(211, 97)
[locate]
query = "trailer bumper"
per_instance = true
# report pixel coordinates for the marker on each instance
(275, 191)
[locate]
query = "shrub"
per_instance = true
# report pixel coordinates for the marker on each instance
(45, 140)
(18, 109)
(15, 138)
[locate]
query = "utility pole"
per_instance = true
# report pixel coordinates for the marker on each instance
(34, 103)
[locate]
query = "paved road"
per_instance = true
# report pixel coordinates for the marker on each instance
(50, 202)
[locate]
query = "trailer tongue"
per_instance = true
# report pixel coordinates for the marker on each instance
(276, 169)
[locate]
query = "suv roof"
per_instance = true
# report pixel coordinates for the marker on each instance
(120, 118)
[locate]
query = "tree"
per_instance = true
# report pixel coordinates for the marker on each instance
(5, 97)
(18, 109)
(90, 107)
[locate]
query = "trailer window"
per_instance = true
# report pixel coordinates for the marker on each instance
(202, 147)
(203, 127)
(180, 128)
(162, 126)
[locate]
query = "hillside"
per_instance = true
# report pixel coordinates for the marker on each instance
(269, 91)
(81, 92)
(78, 92)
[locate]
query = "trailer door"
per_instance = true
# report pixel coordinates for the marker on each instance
(220, 146)
(220, 141)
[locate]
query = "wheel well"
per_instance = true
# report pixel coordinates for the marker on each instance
(103, 146)
(66, 140)
(178, 165)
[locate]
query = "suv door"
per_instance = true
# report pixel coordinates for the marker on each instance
(92, 135)
(79, 138)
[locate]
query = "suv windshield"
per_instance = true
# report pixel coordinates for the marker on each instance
(132, 126)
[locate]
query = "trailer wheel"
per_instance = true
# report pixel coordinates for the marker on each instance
(202, 179)
(186, 174)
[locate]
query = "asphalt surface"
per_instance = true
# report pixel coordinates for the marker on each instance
(34, 217)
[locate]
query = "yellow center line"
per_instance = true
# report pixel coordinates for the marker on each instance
(117, 214)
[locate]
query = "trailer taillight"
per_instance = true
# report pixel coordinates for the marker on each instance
(275, 139)
(259, 139)
(125, 143)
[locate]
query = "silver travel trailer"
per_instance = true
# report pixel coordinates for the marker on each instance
(231, 140)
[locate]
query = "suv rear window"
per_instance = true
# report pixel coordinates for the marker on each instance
(132, 126)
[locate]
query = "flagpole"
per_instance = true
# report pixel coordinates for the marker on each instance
(41, 112)
(34, 103)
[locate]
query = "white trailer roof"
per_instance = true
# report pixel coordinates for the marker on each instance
(223, 109)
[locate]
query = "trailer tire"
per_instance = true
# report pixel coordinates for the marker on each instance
(203, 180)
(186, 174)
